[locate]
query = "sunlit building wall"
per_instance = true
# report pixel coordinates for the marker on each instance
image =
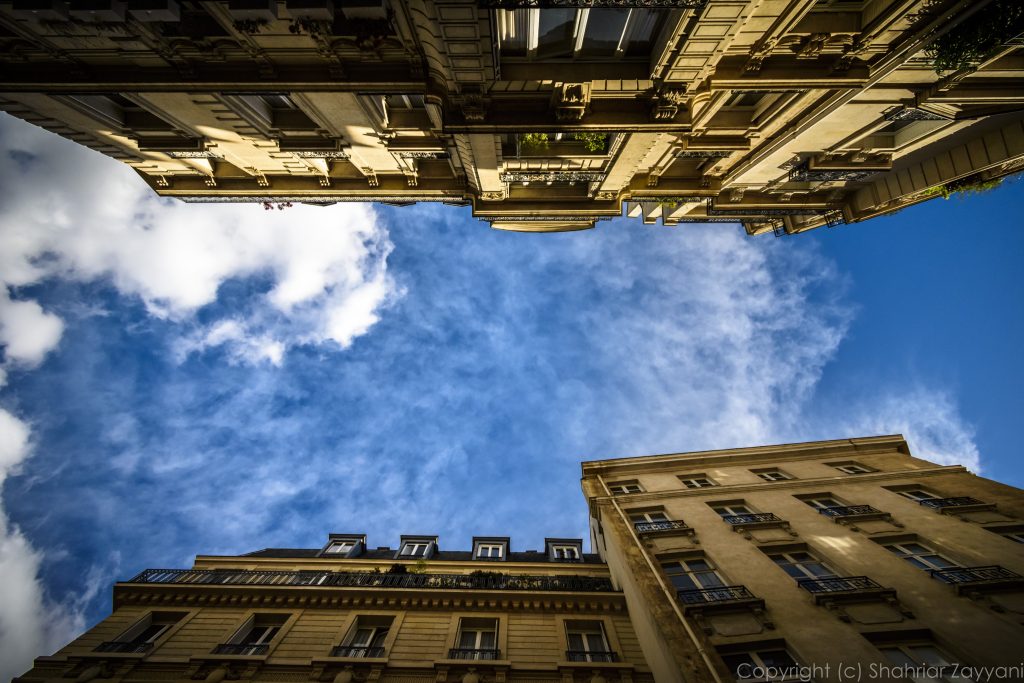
(847, 553)
(784, 116)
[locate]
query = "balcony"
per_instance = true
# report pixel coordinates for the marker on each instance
(249, 649)
(591, 656)
(723, 594)
(850, 511)
(357, 651)
(126, 647)
(328, 579)
(976, 579)
(753, 518)
(945, 503)
(665, 527)
(838, 584)
(474, 653)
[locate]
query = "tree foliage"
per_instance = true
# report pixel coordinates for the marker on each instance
(979, 36)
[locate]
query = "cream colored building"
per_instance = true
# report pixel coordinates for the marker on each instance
(347, 612)
(849, 553)
(543, 115)
(788, 561)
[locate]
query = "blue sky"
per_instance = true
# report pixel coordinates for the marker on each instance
(216, 379)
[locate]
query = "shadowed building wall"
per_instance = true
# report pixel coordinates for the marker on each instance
(543, 116)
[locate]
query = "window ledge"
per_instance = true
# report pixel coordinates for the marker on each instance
(348, 660)
(566, 665)
(494, 663)
(229, 658)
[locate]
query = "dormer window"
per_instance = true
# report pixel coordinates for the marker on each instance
(343, 546)
(564, 550)
(417, 547)
(490, 548)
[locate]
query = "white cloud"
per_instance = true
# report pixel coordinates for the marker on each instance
(30, 625)
(930, 421)
(27, 332)
(69, 212)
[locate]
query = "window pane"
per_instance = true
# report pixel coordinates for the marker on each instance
(556, 32)
(709, 580)
(467, 640)
(604, 29)
(777, 659)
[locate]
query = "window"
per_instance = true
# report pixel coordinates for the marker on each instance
(366, 639)
(920, 555)
(921, 655)
(416, 549)
(489, 550)
(822, 502)
(647, 517)
(340, 548)
(696, 481)
(730, 509)
(587, 642)
(477, 639)
(143, 634)
(772, 475)
(762, 664)
(802, 565)
(744, 100)
(625, 487)
(254, 636)
(692, 574)
(850, 467)
(119, 111)
(1017, 536)
(580, 34)
(917, 494)
(273, 110)
(565, 552)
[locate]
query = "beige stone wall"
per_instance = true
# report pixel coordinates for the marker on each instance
(977, 627)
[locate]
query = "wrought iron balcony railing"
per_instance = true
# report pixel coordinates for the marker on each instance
(967, 575)
(357, 651)
(474, 653)
(701, 596)
(649, 527)
(838, 584)
(752, 518)
(848, 510)
(591, 656)
(123, 646)
(241, 649)
(956, 502)
(328, 579)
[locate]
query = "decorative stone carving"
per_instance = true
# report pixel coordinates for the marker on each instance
(758, 53)
(666, 104)
(571, 102)
(811, 46)
(552, 177)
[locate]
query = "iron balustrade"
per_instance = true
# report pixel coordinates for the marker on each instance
(752, 518)
(699, 596)
(357, 651)
(962, 575)
(838, 584)
(329, 579)
(955, 502)
(647, 527)
(591, 656)
(848, 510)
(241, 649)
(123, 646)
(474, 653)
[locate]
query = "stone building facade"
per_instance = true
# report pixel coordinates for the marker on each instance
(774, 563)
(543, 115)
(849, 553)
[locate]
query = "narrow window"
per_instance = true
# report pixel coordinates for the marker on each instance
(587, 642)
(772, 475)
(921, 556)
(624, 488)
(477, 639)
(366, 639)
(566, 552)
(696, 481)
(693, 574)
(802, 565)
(822, 502)
(489, 551)
(254, 637)
(143, 634)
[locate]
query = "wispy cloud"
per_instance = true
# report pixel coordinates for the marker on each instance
(254, 383)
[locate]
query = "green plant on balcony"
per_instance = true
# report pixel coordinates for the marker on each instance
(972, 184)
(531, 143)
(978, 37)
(593, 142)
